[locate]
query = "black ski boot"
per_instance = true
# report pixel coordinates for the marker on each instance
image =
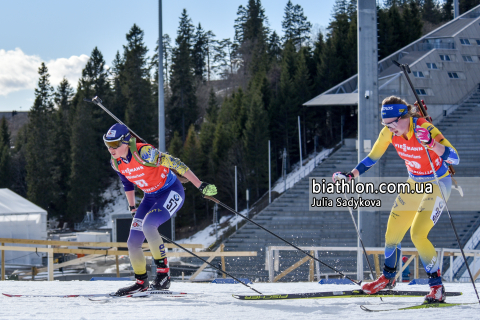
(140, 285)
(162, 280)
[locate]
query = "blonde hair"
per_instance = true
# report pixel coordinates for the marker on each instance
(412, 110)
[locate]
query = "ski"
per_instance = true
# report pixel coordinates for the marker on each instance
(55, 296)
(339, 294)
(150, 293)
(420, 306)
(146, 294)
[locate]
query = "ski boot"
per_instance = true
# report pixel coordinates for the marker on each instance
(437, 290)
(379, 284)
(162, 280)
(140, 285)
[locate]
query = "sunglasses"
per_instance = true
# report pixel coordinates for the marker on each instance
(114, 144)
(391, 125)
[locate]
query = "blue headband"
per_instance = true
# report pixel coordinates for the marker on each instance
(394, 110)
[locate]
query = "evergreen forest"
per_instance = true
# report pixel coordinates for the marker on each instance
(224, 100)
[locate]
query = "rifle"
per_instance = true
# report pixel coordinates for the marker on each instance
(423, 111)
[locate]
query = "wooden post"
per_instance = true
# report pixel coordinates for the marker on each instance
(50, 264)
(311, 274)
(3, 263)
(222, 246)
(377, 265)
(118, 267)
(116, 264)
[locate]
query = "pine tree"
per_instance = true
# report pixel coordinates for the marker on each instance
(431, 12)
(274, 47)
(252, 49)
(212, 109)
(303, 88)
(119, 102)
(192, 157)
(176, 146)
(42, 173)
(288, 23)
(5, 155)
(19, 163)
(207, 135)
(140, 110)
(239, 26)
(255, 139)
(295, 25)
(62, 131)
(182, 110)
(447, 10)
(89, 178)
(466, 5)
(211, 49)
(317, 60)
(284, 117)
(199, 52)
(413, 23)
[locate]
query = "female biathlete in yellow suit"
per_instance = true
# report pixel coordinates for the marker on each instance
(420, 212)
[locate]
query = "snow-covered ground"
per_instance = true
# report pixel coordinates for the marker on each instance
(217, 303)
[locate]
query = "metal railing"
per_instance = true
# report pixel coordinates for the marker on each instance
(272, 260)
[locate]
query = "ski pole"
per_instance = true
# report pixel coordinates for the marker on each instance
(96, 100)
(450, 216)
(193, 254)
(361, 241)
(277, 236)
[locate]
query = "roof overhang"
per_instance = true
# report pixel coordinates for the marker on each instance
(340, 99)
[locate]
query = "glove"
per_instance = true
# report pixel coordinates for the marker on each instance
(425, 137)
(342, 175)
(132, 210)
(208, 189)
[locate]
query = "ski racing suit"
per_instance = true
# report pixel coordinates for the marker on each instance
(164, 195)
(418, 211)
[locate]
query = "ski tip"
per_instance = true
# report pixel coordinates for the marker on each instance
(8, 295)
(365, 308)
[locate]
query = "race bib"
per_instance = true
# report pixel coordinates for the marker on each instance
(137, 224)
(437, 210)
(172, 204)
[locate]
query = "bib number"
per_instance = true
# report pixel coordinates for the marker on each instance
(172, 204)
(141, 183)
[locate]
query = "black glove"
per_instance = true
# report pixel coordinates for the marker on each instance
(130, 208)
